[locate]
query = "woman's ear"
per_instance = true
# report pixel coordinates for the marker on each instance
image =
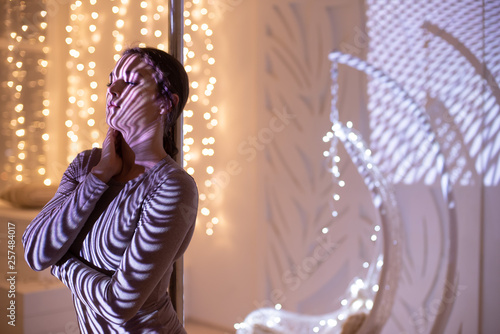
(174, 100)
(167, 106)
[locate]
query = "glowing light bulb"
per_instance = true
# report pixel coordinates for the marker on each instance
(332, 322)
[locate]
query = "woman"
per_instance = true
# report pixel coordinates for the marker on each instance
(123, 214)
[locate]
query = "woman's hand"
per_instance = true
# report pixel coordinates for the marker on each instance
(111, 162)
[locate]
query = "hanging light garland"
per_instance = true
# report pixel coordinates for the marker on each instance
(83, 89)
(199, 62)
(86, 128)
(27, 100)
(85, 64)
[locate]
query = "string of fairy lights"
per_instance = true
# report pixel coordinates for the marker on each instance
(199, 61)
(83, 93)
(26, 98)
(93, 27)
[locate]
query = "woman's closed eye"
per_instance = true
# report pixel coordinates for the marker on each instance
(131, 83)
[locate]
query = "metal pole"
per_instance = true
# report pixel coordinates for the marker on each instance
(175, 48)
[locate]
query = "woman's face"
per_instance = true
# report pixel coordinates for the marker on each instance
(132, 103)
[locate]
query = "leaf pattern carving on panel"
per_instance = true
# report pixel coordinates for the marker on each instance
(298, 193)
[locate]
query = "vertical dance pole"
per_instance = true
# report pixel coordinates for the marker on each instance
(175, 48)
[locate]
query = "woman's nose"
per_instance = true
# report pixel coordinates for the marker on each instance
(113, 88)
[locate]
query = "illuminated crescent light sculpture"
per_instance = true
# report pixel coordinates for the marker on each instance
(450, 229)
(369, 297)
(376, 292)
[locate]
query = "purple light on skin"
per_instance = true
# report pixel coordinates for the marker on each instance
(132, 104)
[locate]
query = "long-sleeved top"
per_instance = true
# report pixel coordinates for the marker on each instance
(114, 245)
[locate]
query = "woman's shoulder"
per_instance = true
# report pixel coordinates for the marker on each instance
(172, 169)
(169, 173)
(170, 186)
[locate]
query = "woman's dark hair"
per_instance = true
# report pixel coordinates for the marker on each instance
(171, 77)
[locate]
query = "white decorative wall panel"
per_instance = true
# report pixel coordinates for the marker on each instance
(299, 189)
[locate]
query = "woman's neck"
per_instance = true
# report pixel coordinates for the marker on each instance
(147, 147)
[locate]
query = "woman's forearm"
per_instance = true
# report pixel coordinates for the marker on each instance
(51, 233)
(91, 287)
